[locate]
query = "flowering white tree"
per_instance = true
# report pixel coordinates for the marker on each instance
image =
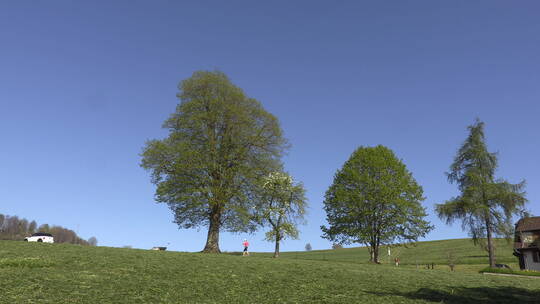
(282, 207)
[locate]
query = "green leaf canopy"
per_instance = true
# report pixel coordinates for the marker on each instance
(220, 144)
(374, 200)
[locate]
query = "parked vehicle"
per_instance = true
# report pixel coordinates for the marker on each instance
(40, 237)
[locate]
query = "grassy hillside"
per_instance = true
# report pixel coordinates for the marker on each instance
(424, 253)
(61, 273)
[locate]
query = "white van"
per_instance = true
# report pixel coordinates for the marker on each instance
(40, 237)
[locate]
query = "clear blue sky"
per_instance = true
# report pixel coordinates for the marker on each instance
(83, 84)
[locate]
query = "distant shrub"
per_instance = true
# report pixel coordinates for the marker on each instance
(308, 247)
(452, 259)
(337, 246)
(92, 241)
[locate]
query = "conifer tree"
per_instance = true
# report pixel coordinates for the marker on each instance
(486, 204)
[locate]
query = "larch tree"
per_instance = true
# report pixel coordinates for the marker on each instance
(221, 143)
(374, 200)
(486, 205)
(282, 207)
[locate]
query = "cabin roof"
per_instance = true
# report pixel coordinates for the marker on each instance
(528, 224)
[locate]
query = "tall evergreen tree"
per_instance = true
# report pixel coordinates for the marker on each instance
(220, 144)
(486, 205)
(374, 200)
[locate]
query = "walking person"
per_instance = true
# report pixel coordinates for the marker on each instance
(246, 245)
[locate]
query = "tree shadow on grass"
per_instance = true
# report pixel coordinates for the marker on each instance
(478, 295)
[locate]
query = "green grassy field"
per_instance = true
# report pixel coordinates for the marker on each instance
(464, 251)
(61, 273)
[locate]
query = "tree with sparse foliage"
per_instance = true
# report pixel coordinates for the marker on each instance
(44, 228)
(308, 247)
(452, 259)
(32, 227)
(282, 207)
(486, 204)
(374, 200)
(220, 144)
(92, 241)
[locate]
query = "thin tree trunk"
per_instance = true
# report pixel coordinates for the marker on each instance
(212, 241)
(377, 245)
(491, 251)
(276, 250)
(277, 231)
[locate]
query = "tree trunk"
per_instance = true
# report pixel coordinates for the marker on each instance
(491, 251)
(276, 251)
(212, 241)
(376, 254)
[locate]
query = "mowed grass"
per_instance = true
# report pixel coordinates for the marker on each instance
(62, 273)
(463, 250)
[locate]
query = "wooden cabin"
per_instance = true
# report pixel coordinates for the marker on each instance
(527, 243)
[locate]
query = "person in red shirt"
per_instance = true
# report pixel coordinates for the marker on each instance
(246, 245)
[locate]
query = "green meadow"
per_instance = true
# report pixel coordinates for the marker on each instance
(431, 252)
(62, 273)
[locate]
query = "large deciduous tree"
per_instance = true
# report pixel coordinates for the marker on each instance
(486, 205)
(220, 144)
(374, 200)
(282, 207)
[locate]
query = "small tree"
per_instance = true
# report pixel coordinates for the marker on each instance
(22, 228)
(452, 259)
(308, 247)
(282, 207)
(374, 200)
(32, 227)
(485, 205)
(92, 241)
(44, 228)
(337, 246)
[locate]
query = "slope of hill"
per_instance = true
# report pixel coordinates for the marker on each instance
(63, 273)
(463, 251)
